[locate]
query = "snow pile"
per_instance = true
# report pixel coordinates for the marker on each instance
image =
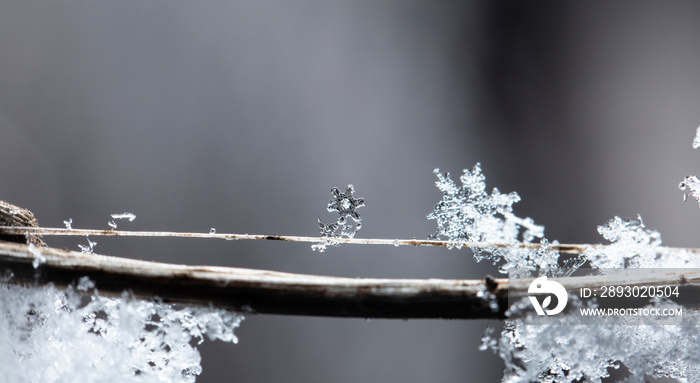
(569, 351)
(53, 335)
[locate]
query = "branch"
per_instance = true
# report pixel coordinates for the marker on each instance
(562, 248)
(248, 290)
(269, 292)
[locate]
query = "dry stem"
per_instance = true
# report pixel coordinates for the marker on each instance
(563, 248)
(261, 291)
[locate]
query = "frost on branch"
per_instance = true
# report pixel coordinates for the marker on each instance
(346, 205)
(470, 214)
(53, 335)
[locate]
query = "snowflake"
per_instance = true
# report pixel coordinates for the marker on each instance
(345, 204)
(470, 214)
(690, 186)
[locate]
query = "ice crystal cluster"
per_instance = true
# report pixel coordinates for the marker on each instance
(691, 184)
(567, 351)
(57, 335)
(113, 225)
(89, 248)
(571, 352)
(633, 245)
(468, 214)
(347, 223)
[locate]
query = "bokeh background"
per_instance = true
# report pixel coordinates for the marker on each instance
(242, 115)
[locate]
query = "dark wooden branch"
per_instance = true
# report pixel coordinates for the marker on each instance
(257, 291)
(13, 215)
(269, 292)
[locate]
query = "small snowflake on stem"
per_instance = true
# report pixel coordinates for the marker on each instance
(345, 204)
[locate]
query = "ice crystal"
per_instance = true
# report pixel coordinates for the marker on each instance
(470, 215)
(53, 335)
(129, 216)
(85, 284)
(346, 205)
(566, 351)
(690, 186)
(89, 249)
(38, 257)
(329, 236)
(69, 223)
(633, 245)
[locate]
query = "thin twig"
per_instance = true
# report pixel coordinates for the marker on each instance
(562, 248)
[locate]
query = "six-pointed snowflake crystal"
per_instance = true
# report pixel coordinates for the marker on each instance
(346, 204)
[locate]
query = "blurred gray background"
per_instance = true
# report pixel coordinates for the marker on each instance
(242, 115)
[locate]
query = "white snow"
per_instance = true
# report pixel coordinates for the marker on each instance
(470, 214)
(53, 335)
